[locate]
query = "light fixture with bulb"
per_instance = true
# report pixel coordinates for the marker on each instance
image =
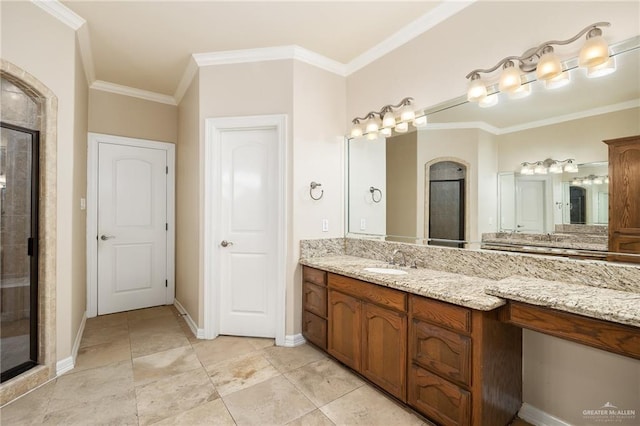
(594, 57)
(385, 121)
(548, 166)
(590, 180)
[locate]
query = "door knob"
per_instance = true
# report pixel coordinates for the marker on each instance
(226, 243)
(106, 237)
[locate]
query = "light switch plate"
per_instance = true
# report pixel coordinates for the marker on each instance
(363, 224)
(325, 225)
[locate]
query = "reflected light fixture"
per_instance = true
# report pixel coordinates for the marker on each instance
(385, 121)
(548, 166)
(489, 101)
(547, 65)
(603, 69)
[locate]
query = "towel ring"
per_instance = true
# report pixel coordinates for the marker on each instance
(373, 191)
(313, 186)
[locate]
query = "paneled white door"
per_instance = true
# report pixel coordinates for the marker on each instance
(132, 227)
(248, 226)
(530, 205)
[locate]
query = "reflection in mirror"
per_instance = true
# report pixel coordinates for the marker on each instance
(568, 122)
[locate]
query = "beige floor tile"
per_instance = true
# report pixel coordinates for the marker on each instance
(314, 418)
(29, 409)
(158, 341)
(154, 312)
(287, 359)
(111, 320)
(241, 372)
(273, 402)
(89, 386)
(160, 365)
(117, 409)
(260, 343)
(188, 333)
(221, 348)
(209, 413)
(172, 395)
(97, 336)
(103, 354)
(324, 381)
(145, 325)
(367, 406)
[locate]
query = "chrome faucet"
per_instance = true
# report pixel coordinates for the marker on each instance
(393, 258)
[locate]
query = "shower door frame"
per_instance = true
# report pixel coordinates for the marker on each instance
(33, 253)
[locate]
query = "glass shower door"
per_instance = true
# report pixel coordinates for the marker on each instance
(18, 249)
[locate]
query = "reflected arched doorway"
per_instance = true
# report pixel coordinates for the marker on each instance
(447, 183)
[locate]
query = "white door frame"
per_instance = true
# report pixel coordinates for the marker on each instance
(212, 202)
(92, 212)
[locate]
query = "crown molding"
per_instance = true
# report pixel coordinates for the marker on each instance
(634, 103)
(119, 89)
(270, 54)
(61, 12)
(187, 77)
(427, 21)
(84, 44)
(480, 125)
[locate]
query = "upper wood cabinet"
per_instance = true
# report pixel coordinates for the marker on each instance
(624, 198)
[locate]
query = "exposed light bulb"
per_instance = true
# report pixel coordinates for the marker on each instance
(510, 79)
(477, 89)
(549, 65)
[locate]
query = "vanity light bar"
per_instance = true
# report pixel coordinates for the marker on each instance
(590, 180)
(386, 121)
(594, 57)
(548, 166)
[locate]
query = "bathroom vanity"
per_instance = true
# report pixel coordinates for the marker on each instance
(449, 344)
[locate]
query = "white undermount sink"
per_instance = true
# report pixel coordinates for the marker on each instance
(388, 271)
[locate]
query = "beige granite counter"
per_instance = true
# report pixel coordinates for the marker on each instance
(446, 286)
(610, 305)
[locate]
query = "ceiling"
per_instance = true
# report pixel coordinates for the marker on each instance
(147, 44)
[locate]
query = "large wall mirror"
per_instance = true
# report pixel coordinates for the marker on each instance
(396, 184)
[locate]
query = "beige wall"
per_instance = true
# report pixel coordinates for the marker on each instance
(580, 139)
(431, 68)
(188, 204)
(402, 183)
(121, 115)
(46, 48)
(79, 217)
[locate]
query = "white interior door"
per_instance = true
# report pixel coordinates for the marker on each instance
(530, 206)
(248, 241)
(132, 227)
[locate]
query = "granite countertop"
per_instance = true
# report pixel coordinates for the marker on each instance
(610, 305)
(449, 287)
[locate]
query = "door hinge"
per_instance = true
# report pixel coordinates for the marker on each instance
(166, 283)
(30, 246)
(166, 226)
(167, 169)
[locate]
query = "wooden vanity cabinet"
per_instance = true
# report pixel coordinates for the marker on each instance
(368, 331)
(314, 304)
(624, 198)
(465, 365)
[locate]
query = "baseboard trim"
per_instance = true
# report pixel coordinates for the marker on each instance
(68, 363)
(198, 332)
(293, 340)
(537, 417)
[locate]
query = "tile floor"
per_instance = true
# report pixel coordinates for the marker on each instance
(145, 367)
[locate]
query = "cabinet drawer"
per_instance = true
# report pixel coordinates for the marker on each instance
(438, 399)
(440, 350)
(314, 329)
(315, 276)
(383, 296)
(314, 299)
(444, 314)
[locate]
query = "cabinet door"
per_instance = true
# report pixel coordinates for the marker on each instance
(314, 329)
(438, 399)
(345, 319)
(314, 299)
(384, 349)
